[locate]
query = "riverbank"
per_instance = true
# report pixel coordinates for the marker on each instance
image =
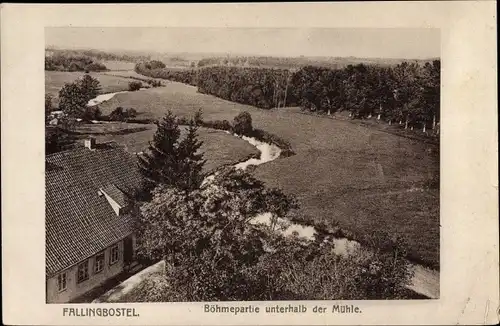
(346, 176)
(425, 282)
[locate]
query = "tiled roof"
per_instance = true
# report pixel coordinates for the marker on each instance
(79, 223)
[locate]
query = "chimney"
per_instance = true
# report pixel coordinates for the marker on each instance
(90, 143)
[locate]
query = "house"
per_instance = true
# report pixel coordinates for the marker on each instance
(88, 223)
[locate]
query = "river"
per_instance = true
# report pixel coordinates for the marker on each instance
(425, 281)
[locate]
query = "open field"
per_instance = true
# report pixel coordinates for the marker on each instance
(55, 80)
(131, 74)
(359, 179)
(219, 148)
(118, 65)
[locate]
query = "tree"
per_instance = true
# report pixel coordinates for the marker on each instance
(74, 97)
(159, 164)
(89, 86)
(72, 101)
(191, 162)
(121, 114)
(91, 113)
(170, 161)
(213, 252)
(134, 86)
(205, 236)
(431, 92)
(242, 124)
(117, 114)
(57, 139)
(198, 117)
(131, 113)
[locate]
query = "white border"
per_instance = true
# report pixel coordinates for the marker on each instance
(469, 201)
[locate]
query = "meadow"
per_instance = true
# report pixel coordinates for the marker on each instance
(219, 148)
(348, 176)
(55, 80)
(116, 65)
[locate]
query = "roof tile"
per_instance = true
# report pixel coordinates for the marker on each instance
(80, 223)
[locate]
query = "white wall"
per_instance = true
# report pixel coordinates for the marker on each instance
(74, 289)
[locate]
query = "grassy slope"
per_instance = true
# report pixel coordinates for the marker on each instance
(219, 148)
(119, 65)
(343, 173)
(55, 80)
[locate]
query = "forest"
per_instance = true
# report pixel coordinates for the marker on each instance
(406, 93)
(60, 62)
(99, 55)
(157, 69)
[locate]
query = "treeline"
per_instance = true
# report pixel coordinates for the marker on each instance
(270, 62)
(61, 62)
(157, 69)
(295, 62)
(408, 93)
(255, 62)
(260, 87)
(99, 55)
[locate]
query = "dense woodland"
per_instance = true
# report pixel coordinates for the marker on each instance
(294, 62)
(72, 63)
(157, 69)
(407, 93)
(99, 55)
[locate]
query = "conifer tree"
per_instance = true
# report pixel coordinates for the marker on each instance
(191, 162)
(170, 161)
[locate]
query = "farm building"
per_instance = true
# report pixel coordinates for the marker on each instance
(88, 222)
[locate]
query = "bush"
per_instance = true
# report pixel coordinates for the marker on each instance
(154, 83)
(242, 124)
(91, 113)
(182, 120)
(95, 66)
(217, 124)
(131, 113)
(117, 114)
(121, 114)
(134, 86)
(198, 117)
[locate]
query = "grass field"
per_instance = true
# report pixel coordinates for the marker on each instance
(219, 148)
(131, 74)
(55, 80)
(357, 178)
(119, 65)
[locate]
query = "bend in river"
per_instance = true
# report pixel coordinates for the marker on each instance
(425, 281)
(106, 97)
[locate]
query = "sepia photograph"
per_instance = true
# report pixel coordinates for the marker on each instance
(241, 164)
(329, 163)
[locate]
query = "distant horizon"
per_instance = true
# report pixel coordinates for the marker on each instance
(369, 43)
(152, 52)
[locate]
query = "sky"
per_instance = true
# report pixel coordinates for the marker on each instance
(402, 43)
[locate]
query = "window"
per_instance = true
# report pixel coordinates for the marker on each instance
(61, 282)
(83, 271)
(115, 255)
(99, 263)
